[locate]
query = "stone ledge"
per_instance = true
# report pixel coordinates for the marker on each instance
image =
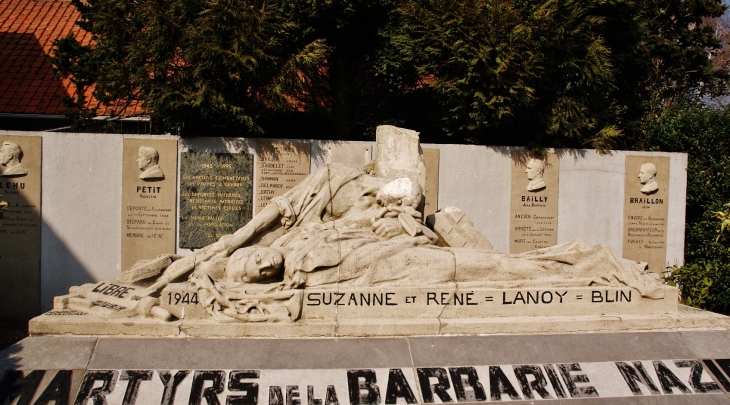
(686, 319)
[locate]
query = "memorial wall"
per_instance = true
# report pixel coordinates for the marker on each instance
(110, 200)
(20, 228)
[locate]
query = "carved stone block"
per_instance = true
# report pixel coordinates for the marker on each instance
(533, 201)
(431, 192)
(399, 154)
(646, 205)
(149, 190)
(20, 230)
(279, 167)
(455, 229)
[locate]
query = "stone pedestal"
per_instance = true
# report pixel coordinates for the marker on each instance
(597, 368)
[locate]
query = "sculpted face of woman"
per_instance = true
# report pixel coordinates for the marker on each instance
(253, 264)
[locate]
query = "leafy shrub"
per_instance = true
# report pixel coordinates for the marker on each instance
(694, 282)
(703, 132)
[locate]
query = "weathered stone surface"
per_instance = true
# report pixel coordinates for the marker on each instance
(75, 323)
(533, 202)
(399, 154)
(353, 154)
(646, 205)
(279, 167)
(216, 192)
(431, 191)
(345, 253)
(455, 229)
(149, 190)
(20, 230)
(686, 319)
(633, 368)
(49, 353)
(147, 268)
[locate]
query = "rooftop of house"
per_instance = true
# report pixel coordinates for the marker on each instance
(28, 84)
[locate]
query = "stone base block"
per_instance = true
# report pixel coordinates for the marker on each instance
(74, 323)
(474, 301)
(210, 328)
(684, 319)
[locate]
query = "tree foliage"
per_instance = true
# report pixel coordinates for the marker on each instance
(531, 72)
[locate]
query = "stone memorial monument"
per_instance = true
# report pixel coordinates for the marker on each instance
(20, 230)
(279, 167)
(149, 187)
(215, 195)
(147, 160)
(646, 205)
(347, 252)
(431, 191)
(10, 157)
(533, 202)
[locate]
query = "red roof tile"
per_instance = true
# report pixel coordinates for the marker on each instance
(28, 30)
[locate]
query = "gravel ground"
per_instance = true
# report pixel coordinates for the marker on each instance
(11, 332)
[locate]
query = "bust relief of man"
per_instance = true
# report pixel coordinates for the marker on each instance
(147, 161)
(534, 171)
(10, 157)
(647, 173)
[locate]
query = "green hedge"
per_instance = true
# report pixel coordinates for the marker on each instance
(704, 133)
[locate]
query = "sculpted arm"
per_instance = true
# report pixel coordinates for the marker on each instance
(222, 248)
(263, 220)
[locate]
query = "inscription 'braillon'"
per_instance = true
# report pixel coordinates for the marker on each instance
(646, 200)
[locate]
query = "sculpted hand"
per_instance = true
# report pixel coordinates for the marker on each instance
(387, 227)
(362, 218)
(295, 282)
(394, 210)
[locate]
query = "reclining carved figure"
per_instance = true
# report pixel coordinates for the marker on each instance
(343, 227)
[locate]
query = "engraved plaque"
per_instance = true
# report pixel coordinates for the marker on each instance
(431, 193)
(533, 202)
(149, 188)
(215, 196)
(646, 199)
(20, 230)
(279, 167)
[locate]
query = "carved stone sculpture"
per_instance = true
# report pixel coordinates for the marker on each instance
(147, 161)
(10, 157)
(342, 228)
(647, 175)
(535, 170)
